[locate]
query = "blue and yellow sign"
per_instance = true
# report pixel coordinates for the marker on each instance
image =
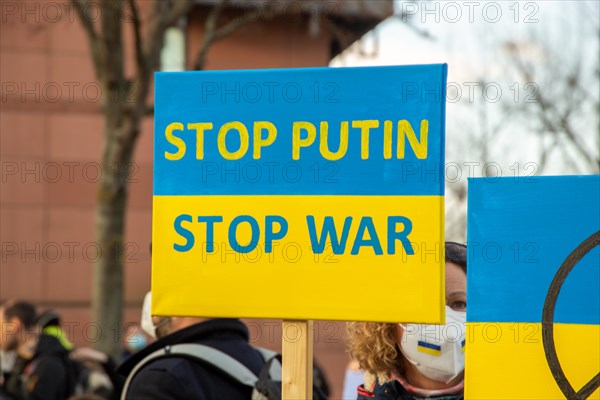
(533, 288)
(300, 193)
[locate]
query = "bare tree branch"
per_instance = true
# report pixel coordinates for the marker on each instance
(230, 27)
(112, 38)
(178, 10)
(409, 24)
(209, 33)
(92, 36)
(147, 47)
(139, 55)
(162, 18)
(213, 34)
(548, 109)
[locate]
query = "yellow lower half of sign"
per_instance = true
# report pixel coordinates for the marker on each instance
(507, 360)
(266, 257)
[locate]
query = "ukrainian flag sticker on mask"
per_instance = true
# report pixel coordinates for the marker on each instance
(280, 193)
(533, 288)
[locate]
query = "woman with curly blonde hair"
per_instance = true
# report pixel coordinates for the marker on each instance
(416, 361)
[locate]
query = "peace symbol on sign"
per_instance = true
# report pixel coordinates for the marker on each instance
(548, 322)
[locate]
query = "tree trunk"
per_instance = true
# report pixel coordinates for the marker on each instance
(107, 299)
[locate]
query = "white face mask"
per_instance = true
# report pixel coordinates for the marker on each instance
(7, 360)
(436, 350)
(146, 323)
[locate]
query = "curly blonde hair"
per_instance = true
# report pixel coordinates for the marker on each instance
(374, 346)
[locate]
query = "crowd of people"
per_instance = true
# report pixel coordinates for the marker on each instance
(207, 359)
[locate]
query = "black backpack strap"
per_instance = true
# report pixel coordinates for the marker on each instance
(273, 359)
(269, 379)
(209, 355)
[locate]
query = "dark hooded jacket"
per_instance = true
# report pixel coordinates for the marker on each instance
(393, 390)
(46, 376)
(182, 378)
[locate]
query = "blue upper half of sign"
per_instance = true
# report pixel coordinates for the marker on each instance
(520, 232)
(283, 97)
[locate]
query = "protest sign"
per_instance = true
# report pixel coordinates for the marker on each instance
(284, 193)
(533, 288)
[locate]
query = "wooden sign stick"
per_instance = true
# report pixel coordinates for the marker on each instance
(297, 360)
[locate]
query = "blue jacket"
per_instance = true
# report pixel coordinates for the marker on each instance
(181, 378)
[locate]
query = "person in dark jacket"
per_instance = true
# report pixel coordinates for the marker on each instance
(41, 370)
(416, 361)
(182, 378)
